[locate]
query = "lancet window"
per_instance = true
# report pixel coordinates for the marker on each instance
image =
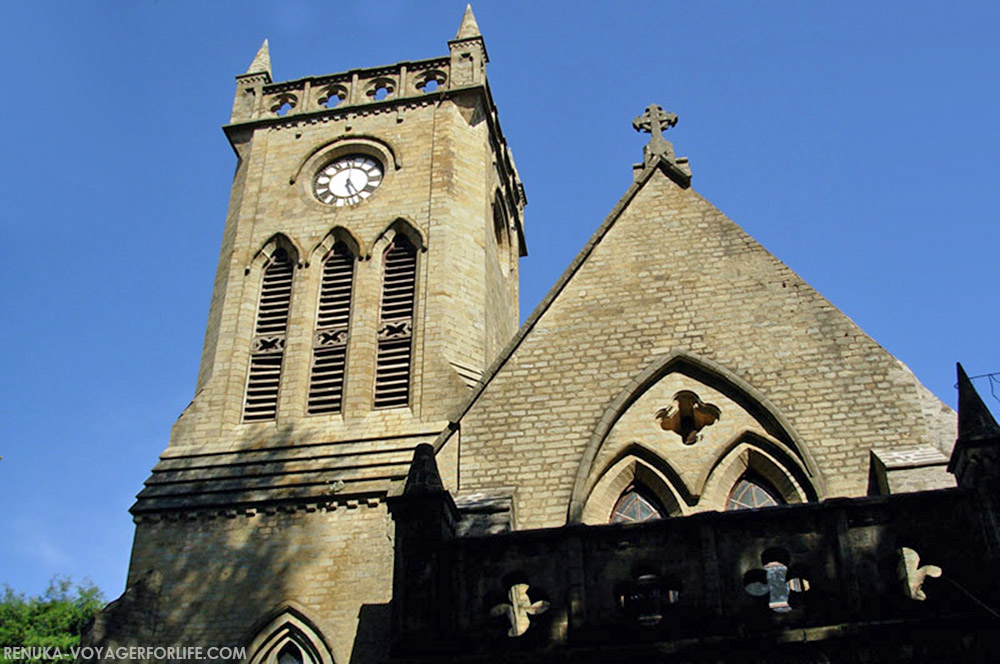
(751, 492)
(268, 346)
(635, 506)
(395, 331)
(328, 375)
(290, 654)
(500, 234)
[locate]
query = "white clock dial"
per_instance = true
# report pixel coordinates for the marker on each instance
(348, 180)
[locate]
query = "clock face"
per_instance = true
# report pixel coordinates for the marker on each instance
(348, 180)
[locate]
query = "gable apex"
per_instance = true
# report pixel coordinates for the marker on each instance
(667, 269)
(654, 167)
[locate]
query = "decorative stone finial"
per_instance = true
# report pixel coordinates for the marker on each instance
(468, 53)
(469, 28)
(261, 62)
(655, 121)
(974, 418)
(423, 477)
(976, 456)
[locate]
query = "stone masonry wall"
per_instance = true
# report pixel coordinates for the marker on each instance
(443, 188)
(672, 273)
(222, 576)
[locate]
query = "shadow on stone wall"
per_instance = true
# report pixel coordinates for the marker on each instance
(220, 548)
(371, 643)
(201, 582)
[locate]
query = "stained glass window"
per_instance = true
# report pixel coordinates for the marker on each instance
(634, 507)
(749, 494)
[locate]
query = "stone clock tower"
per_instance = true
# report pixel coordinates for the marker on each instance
(367, 278)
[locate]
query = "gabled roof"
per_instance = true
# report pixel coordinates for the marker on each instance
(667, 272)
(657, 164)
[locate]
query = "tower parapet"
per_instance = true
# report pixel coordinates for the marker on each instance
(372, 87)
(375, 90)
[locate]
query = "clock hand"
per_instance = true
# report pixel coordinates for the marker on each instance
(349, 185)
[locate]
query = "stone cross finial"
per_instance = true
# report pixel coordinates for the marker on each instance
(655, 121)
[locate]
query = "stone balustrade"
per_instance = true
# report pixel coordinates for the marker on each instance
(830, 573)
(348, 89)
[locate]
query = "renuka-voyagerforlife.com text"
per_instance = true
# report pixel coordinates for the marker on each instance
(77, 653)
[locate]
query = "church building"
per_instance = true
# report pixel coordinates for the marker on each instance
(680, 456)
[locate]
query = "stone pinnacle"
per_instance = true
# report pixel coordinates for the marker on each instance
(469, 27)
(261, 62)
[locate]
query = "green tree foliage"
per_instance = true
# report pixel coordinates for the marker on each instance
(53, 620)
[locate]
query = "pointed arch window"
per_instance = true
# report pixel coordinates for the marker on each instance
(268, 347)
(500, 234)
(328, 375)
(289, 638)
(290, 654)
(636, 506)
(395, 331)
(752, 492)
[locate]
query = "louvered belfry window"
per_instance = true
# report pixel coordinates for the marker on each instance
(326, 382)
(268, 348)
(395, 330)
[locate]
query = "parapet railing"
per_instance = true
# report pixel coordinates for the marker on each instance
(800, 572)
(352, 88)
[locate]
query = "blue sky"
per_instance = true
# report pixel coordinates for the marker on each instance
(855, 140)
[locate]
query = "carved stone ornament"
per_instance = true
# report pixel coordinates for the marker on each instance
(518, 608)
(777, 586)
(395, 329)
(913, 575)
(654, 121)
(330, 337)
(268, 344)
(687, 416)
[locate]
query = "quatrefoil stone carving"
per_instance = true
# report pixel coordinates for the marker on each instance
(517, 609)
(777, 586)
(914, 575)
(687, 416)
